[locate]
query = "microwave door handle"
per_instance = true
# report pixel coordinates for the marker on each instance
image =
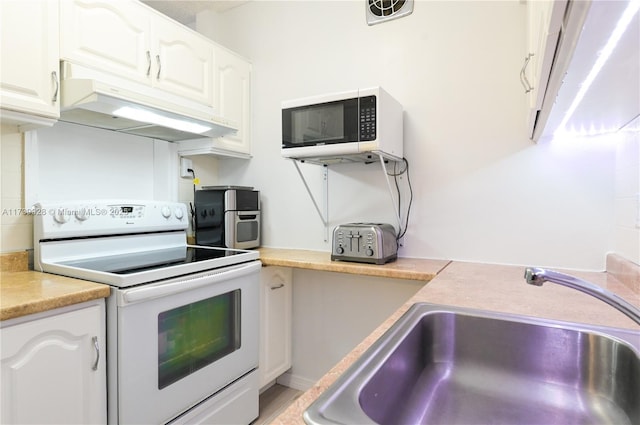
(187, 284)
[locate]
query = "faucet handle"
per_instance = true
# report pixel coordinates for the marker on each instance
(533, 276)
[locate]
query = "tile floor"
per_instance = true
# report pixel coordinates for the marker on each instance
(273, 402)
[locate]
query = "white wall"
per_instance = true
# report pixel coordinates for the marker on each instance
(71, 162)
(206, 171)
(16, 227)
(483, 191)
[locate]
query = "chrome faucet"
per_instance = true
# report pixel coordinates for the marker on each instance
(537, 276)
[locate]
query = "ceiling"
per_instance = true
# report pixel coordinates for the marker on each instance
(185, 11)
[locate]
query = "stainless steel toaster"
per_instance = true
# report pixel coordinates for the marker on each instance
(373, 243)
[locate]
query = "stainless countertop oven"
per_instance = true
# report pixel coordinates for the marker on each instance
(227, 217)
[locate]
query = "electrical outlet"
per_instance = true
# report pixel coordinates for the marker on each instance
(186, 165)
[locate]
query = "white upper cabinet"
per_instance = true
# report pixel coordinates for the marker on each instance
(233, 98)
(109, 36)
(132, 41)
(581, 67)
(232, 102)
(594, 85)
(29, 70)
(182, 61)
(544, 23)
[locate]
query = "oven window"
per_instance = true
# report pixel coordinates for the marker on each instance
(195, 335)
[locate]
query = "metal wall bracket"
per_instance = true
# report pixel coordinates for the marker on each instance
(324, 216)
(324, 211)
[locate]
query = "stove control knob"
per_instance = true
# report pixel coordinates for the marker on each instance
(179, 213)
(81, 214)
(59, 216)
(166, 212)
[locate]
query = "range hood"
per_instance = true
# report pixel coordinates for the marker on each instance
(96, 99)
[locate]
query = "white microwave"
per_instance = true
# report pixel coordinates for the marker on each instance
(353, 124)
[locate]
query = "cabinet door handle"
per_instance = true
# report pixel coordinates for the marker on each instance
(277, 286)
(96, 347)
(159, 66)
(148, 63)
(54, 77)
(523, 76)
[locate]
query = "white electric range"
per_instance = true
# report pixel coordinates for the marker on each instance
(182, 320)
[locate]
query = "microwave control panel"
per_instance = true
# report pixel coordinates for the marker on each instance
(367, 118)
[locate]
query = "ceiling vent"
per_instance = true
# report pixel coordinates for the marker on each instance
(379, 11)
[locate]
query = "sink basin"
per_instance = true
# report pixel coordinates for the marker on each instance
(446, 365)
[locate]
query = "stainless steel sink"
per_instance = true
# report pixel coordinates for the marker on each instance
(445, 365)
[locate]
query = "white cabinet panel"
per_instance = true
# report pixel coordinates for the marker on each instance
(275, 319)
(110, 36)
(53, 369)
(29, 70)
(232, 101)
(544, 21)
(233, 98)
(183, 61)
(130, 40)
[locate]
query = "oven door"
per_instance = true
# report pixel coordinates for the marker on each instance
(181, 340)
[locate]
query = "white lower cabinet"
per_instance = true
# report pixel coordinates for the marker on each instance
(275, 319)
(53, 367)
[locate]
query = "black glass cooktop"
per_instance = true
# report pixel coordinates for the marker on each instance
(151, 260)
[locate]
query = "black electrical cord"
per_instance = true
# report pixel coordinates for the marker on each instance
(396, 174)
(191, 204)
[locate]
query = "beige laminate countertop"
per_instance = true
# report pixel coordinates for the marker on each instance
(402, 268)
(24, 292)
(489, 287)
(29, 292)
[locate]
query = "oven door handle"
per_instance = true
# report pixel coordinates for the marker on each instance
(189, 283)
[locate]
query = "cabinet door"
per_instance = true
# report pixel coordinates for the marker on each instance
(182, 61)
(233, 99)
(29, 70)
(544, 20)
(48, 374)
(111, 36)
(275, 334)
